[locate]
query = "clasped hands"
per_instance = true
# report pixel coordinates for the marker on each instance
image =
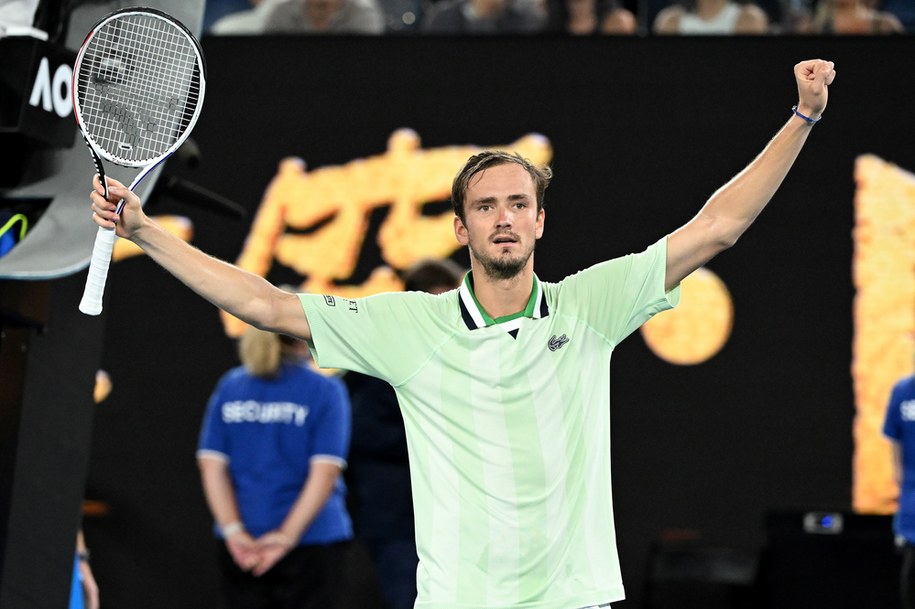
(258, 556)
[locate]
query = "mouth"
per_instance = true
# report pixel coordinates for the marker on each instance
(505, 239)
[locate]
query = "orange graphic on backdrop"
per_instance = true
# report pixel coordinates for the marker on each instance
(883, 347)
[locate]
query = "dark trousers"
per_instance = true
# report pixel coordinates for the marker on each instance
(907, 580)
(309, 577)
(395, 563)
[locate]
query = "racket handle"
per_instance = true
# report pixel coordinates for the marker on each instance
(91, 304)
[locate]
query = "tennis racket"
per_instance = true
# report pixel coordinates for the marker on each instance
(138, 85)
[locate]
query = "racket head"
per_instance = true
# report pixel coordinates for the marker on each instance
(138, 86)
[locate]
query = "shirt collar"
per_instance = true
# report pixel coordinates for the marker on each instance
(475, 317)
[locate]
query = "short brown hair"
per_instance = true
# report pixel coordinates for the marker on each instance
(426, 275)
(541, 176)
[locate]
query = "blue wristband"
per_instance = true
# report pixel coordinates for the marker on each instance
(806, 118)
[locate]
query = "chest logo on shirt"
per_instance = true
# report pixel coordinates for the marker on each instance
(908, 410)
(555, 343)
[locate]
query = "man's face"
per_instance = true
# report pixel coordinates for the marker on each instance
(502, 223)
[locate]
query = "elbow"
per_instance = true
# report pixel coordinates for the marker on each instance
(723, 233)
(726, 241)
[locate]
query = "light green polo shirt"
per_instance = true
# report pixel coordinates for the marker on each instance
(508, 427)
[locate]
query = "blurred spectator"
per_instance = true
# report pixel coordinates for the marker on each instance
(904, 10)
(273, 444)
(248, 21)
(790, 17)
(588, 17)
(214, 10)
(899, 428)
(700, 17)
(485, 17)
(850, 17)
(305, 17)
(379, 473)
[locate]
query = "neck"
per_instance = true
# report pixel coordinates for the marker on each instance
(501, 297)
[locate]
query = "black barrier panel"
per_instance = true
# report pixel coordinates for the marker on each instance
(829, 559)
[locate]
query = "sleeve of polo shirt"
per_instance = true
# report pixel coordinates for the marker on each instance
(617, 296)
(332, 430)
(892, 424)
(379, 335)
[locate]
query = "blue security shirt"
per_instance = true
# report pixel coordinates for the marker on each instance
(269, 431)
(899, 426)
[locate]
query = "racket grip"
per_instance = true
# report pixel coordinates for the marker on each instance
(91, 304)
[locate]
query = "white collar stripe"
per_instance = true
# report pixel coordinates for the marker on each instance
(471, 306)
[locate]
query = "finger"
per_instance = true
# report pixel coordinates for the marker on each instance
(104, 210)
(117, 192)
(263, 567)
(99, 201)
(824, 71)
(830, 74)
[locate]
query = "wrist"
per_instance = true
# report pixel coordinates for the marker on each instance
(232, 529)
(808, 116)
(284, 539)
(83, 555)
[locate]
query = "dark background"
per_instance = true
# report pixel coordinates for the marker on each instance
(643, 131)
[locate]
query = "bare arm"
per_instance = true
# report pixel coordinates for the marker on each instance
(897, 463)
(90, 587)
(245, 295)
(220, 496)
(734, 206)
(322, 477)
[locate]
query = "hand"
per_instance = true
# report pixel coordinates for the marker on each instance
(813, 79)
(131, 217)
(244, 550)
(272, 546)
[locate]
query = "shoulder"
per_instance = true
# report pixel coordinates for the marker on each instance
(905, 385)
(668, 19)
(235, 375)
(887, 23)
(751, 19)
(274, 9)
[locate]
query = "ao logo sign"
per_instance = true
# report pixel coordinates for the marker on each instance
(52, 93)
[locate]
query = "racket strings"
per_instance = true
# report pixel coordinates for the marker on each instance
(138, 87)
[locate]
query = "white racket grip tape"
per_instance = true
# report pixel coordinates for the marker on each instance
(91, 304)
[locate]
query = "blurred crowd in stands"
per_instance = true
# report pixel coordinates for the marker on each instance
(563, 17)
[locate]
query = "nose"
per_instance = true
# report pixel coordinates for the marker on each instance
(505, 217)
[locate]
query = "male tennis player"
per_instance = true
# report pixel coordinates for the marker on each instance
(503, 382)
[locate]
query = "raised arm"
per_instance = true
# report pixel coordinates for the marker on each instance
(734, 206)
(245, 295)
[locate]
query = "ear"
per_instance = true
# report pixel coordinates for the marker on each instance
(460, 231)
(541, 216)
